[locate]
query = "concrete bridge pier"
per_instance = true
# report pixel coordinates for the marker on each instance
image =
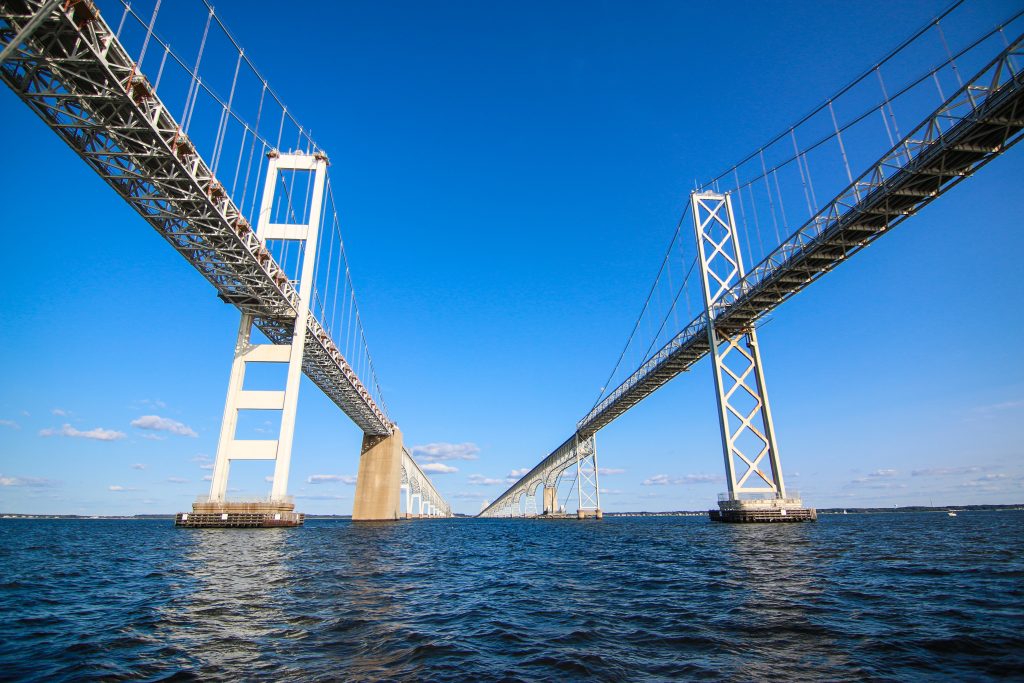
(550, 499)
(378, 483)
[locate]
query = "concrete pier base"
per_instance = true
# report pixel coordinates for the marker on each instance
(378, 484)
(595, 514)
(761, 511)
(250, 515)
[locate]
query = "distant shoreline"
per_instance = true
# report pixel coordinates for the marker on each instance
(673, 513)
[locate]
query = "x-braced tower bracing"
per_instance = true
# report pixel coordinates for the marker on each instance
(588, 491)
(757, 489)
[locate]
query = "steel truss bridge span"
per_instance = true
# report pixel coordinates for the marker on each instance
(64, 61)
(979, 122)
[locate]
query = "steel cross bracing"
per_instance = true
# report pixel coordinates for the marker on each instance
(745, 418)
(980, 121)
(76, 76)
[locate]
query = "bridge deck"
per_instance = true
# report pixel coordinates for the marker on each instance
(78, 78)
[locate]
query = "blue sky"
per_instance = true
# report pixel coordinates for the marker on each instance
(509, 175)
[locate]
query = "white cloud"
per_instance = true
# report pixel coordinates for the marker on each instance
(138, 466)
(438, 468)
(481, 480)
(873, 481)
(177, 480)
(326, 478)
(998, 482)
(32, 482)
(515, 475)
(60, 412)
(943, 471)
(10, 423)
(163, 424)
(268, 478)
(208, 477)
(990, 410)
(206, 466)
(605, 471)
(699, 478)
(154, 437)
(97, 434)
(665, 480)
(155, 402)
(434, 452)
(468, 495)
(119, 489)
(873, 477)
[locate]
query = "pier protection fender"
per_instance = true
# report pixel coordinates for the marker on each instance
(378, 483)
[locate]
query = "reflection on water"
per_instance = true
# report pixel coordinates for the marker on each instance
(779, 580)
(231, 614)
(849, 598)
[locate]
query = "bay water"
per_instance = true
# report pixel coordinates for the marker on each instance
(909, 597)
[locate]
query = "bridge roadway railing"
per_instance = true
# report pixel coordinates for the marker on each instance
(75, 74)
(979, 122)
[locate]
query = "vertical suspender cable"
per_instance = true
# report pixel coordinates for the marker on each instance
(193, 90)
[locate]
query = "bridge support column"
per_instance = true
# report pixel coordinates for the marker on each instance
(378, 484)
(550, 499)
(279, 510)
(588, 490)
(745, 418)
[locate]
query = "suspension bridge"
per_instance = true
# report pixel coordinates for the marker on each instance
(966, 102)
(203, 148)
(279, 259)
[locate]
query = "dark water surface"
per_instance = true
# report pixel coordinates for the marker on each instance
(855, 597)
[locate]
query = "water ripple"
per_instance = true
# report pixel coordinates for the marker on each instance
(887, 597)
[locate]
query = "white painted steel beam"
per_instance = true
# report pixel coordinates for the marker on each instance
(745, 419)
